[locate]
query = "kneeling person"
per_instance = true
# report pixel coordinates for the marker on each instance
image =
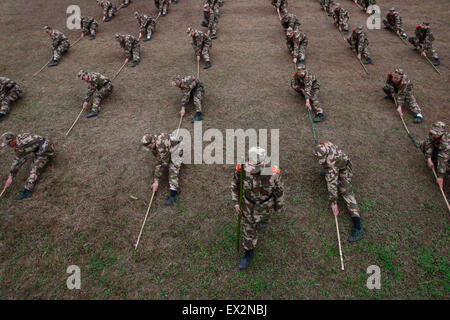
(191, 88)
(9, 92)
(99, 88)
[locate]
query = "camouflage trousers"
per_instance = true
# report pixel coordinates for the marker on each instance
(149, 30)
(410, 100)
(92, 29)
(283, 9)
(346, 190)
(328, 5)
(136, 52)
(111, 12)
(342, 23)
(301, 50)
(314, 99)
(205, 53)
(365, 3)
(99, 95)
(62, 48)
(290, 24)
(212, 27)
(174, 174)
(364, 52)
(434, 158)
(392, 27)
(251, 216)
(41, 158)
(429, 49)
(162, 6)
(13, 94)
(197, 95)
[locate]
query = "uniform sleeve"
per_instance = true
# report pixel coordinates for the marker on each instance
(16, 165)
(296, 49)
(308, 85)
(197, 48)
(331, 178)
(362, 43)
(278, 192)
(402, 91)
(442, 159)
(105, 9)
(186, 95)
(235, 186)
(90, 92)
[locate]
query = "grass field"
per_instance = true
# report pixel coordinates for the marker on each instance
(81, 213)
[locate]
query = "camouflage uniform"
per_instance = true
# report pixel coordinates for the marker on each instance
(262, 193)
(404, 91)
(28, 144)
(146, 25)
(297, 44)
(192, 88)
(311, 86)
(281, 5)
(99, 88)
(366, 3)
(438, 150)
(290, 20)
(393, 22)
(338, 175)
(89, 25)
(166, 146)
(9, 92)
(109, 9)
(358, 41)
(131, 46)
(162, 6)
(424, 39)
(201, 44)
(328, 6)
(211, 18)
(341, 17)
(60, 44)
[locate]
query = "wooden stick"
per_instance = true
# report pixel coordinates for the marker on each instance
(198, 70)
(73, 45)
(179, 125)
(145, 219)
(126, 61)
(42, 67)
(76, 120)
(339, 242)
(434, 67)
(278, 11)
(362, 64)
(3, 191)
(442, 190)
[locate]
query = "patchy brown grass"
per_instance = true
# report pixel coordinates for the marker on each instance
(81, 212)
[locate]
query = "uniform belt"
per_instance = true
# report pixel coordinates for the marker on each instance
(258, 202)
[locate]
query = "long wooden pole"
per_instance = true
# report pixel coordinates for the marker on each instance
(339, 242)
(3, 191)
(120, 70)
(79, 39)
(51, 59)
(145, 219)
(76, 120)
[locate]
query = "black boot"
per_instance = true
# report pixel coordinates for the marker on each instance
(368, 60)
(92, 114)
(357, 231)
(436, 62)
(173, 196)
(124, 5)
(243, 264)
(213, 36)
(207, 65)
(53, 63)
(204, 24)
(23, 194)
(148, 38)
(198, 117)
(92, 37)
(135, 63)
(320, 117)
(389, 96)
(107, 19)
(2, 115)
(418, 119)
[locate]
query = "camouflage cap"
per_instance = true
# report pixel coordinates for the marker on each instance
(426, 23)
(6, 138)
(289, 31)
(81, 73)
(147, 139)
(118, 36)
(136, 14)
(320, 150)
(46, 28)
(189, 30)
(175, 79)
(438, 128)
(392, 9)
(359, 29)
(257, 156)
(398, 72)
(301, 69)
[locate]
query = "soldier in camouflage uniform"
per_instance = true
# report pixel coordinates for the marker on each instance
(125, 3)
(305, 83)
(290, 20)
(191, 88)
(131, 46)
(393, 22)
(201, 43)
(341, 17)
(338, 175)
(60, 44)
(359, 43)
(436, 149)
(41, 149)
(327, 6)
(262, 192)
(162, 6)
(296, 42)
(146, 25)
(423, 42)
(109, 9)
(9, 92)
(281, 6)
(364, 4)
(399, 87)
(211, 19)
(99, 88)
(168, 151)
(89, 25)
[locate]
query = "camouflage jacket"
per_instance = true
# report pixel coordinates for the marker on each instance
(256, 187)
(57, 38)
(199, 40)
(26, 145)
(86, 23)
(279, 3)
(425, 36)
(166, 145)
(290, 20)
(296, 42)
(340, 15)
(335, 161)
(402, 88)
(309, 83)
(394, 19)
(358, 41)
(107, 5)
(188, 84)
(441, 147)
(213, 16)
(129, 44)
(144, 21)
(96, 82)
(5, 85)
